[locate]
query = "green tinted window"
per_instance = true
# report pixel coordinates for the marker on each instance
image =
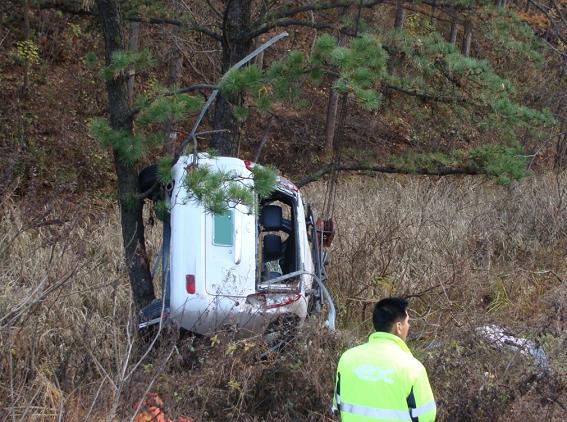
(223, 227)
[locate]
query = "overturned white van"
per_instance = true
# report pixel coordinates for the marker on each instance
(249, 268)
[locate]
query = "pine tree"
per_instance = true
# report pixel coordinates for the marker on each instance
(436, 72)
(435, 76)
(133, 132)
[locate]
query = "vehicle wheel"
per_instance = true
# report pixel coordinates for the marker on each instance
(149, 184)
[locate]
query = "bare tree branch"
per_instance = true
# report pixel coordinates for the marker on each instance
(214, 9)
(238, 65)
(65, 7)
(281, 23)
(193, 88)
(71, 8)
(440, 171)
(271, 18)
(264, 139)
(560, 13)
(194, 26)
(321, 6)
(426, 96)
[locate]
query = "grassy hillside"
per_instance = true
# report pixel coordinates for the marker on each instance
(467, 251)
(470, 253)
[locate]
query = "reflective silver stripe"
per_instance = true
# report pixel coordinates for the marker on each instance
(337, 403)
(427, 407)
(372, 412)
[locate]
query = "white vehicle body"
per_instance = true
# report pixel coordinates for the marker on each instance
(246, 268)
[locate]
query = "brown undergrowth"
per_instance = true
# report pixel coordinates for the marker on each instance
(468, 254)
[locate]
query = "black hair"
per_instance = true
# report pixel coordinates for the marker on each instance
(387, 312)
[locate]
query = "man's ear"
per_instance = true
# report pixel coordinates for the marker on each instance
(396, 329)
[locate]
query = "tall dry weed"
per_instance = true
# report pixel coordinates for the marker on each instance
(65, 302)
(465, 251)
(425, 236)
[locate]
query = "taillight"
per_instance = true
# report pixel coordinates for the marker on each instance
(249, 164)
(190, 284)
(276, 301)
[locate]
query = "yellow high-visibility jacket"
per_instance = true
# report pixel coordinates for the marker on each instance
(382, 381)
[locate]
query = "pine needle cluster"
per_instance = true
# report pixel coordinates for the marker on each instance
(218, 190)
(416, 62)
(124, 61)
(128, 147)
(472, 94)
(215, 190)
(154, 108)
(360, 67)
(357, 69)
(166, 107)
(510, 36)
(504, 163)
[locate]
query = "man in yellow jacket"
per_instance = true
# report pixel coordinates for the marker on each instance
(381, 380)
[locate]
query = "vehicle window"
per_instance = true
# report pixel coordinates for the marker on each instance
(223, 227)
(273, 263)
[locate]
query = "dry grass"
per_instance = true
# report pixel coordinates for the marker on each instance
(439, 238)
(467, 252)
(64, 300)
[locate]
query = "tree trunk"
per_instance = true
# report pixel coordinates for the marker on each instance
(235, 46)
(259, 60)
(332, 108)
(27, 65)
(454, 32)
(133, 45)
(400, 16)
(127, 177)
(561, 152)
(560, 162)
(175, 62)
(433, 20)
(467, 38)
(331, 122)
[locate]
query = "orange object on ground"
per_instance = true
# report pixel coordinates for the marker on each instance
(153, 414)
(151, 410)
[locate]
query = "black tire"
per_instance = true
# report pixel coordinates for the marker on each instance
(149, 183)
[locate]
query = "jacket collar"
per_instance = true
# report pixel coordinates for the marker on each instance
(380, 336)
